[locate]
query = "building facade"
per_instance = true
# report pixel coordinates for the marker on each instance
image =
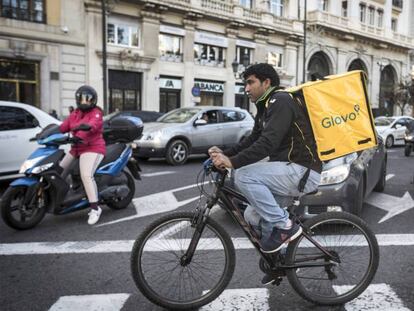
(162, 54)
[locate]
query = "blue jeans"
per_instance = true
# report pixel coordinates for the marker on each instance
(270, 186)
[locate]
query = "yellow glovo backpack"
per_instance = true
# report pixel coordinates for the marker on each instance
(339, 113)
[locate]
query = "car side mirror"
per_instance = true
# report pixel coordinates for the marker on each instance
(397, 126)
(200, 122)
(35, 122)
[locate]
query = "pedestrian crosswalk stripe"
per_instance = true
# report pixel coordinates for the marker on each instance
(244, 299)
(81, 247)
(375, 297)
(105, 302)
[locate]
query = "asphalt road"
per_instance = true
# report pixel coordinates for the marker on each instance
(80, 280)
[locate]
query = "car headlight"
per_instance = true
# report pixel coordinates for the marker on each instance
(335, 175)
(153, 136)
(29, 164)
(410, 137)
(41, 168)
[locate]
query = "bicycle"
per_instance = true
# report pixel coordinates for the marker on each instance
(185, 260)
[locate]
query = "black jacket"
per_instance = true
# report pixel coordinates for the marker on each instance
(281, 132)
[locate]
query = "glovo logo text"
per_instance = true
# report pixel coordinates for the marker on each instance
(338, 120)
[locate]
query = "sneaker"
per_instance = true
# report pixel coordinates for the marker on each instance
(278, 237)
(94, 216)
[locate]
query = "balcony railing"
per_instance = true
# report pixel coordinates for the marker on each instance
(220, 6)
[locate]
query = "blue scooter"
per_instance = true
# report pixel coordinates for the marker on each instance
(46, 189)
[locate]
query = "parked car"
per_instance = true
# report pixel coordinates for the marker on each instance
(186, 131)
(18, 123)
(409, 139)
(392, 129)
(346, 181)
(145, 116)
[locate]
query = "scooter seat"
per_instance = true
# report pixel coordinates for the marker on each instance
(112, 153)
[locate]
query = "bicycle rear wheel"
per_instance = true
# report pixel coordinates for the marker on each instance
(161, 276)
(349, 238)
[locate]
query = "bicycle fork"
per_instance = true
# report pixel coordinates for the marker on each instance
(199, 222)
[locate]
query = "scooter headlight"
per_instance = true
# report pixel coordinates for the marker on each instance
(41, 168)
(29, 164)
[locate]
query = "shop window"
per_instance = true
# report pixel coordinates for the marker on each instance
(275, 59)
(28, 10)
(277, 7)
(124, 90)
(209, 55)
(124, 35)
(170, 47)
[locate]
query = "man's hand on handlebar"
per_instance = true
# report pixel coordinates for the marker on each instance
(220, 160)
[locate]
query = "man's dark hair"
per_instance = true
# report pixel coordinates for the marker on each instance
(262, 72)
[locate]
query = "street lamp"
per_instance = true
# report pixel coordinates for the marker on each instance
(245, 63)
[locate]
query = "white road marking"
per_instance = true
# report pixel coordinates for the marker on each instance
(120, 246)
(375, 297)
(156, 203)
(244, 299)
(389, 176)
(391, 204)
(157, 174)
(104, 302)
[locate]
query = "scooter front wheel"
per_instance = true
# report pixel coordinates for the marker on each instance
(18, 215)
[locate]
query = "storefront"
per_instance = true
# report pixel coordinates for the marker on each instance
(242, 100)
(20, 81)
(170, 93)
(211, 92)
(124, 90)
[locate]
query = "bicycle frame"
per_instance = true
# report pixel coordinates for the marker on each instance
(226, 195)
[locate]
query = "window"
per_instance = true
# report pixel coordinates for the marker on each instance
(344, 10)
(209, 55)
(125, 35)
(362, 12)
(371, 15)
(394, 24)
(232, 116)
(276, 7)
(170, 47)
(28, 10)
(380, 18)
(324, 5)
(244, 55)
(13, 118)
(246, 3)
(275, 59)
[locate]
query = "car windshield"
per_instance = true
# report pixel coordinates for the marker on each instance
(384, 121)
(109, 116)
(179, 115)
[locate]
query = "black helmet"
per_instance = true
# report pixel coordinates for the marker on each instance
(88, 93)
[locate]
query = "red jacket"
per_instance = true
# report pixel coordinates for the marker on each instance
(92, 140)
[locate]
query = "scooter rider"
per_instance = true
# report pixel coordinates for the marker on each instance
(86, 123)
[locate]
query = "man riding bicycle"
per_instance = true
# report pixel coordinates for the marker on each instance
(283, 133)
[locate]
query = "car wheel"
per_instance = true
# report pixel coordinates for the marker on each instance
(177, 152)
(380, 186)
(359, 202)
(389, 141)
(407, 150)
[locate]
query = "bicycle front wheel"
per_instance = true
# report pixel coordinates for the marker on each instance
(160, 273)
(349, 238)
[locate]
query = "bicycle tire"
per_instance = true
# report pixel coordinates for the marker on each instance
(338, 291)
(143, 279)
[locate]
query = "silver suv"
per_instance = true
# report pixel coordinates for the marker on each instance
(193, 130)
